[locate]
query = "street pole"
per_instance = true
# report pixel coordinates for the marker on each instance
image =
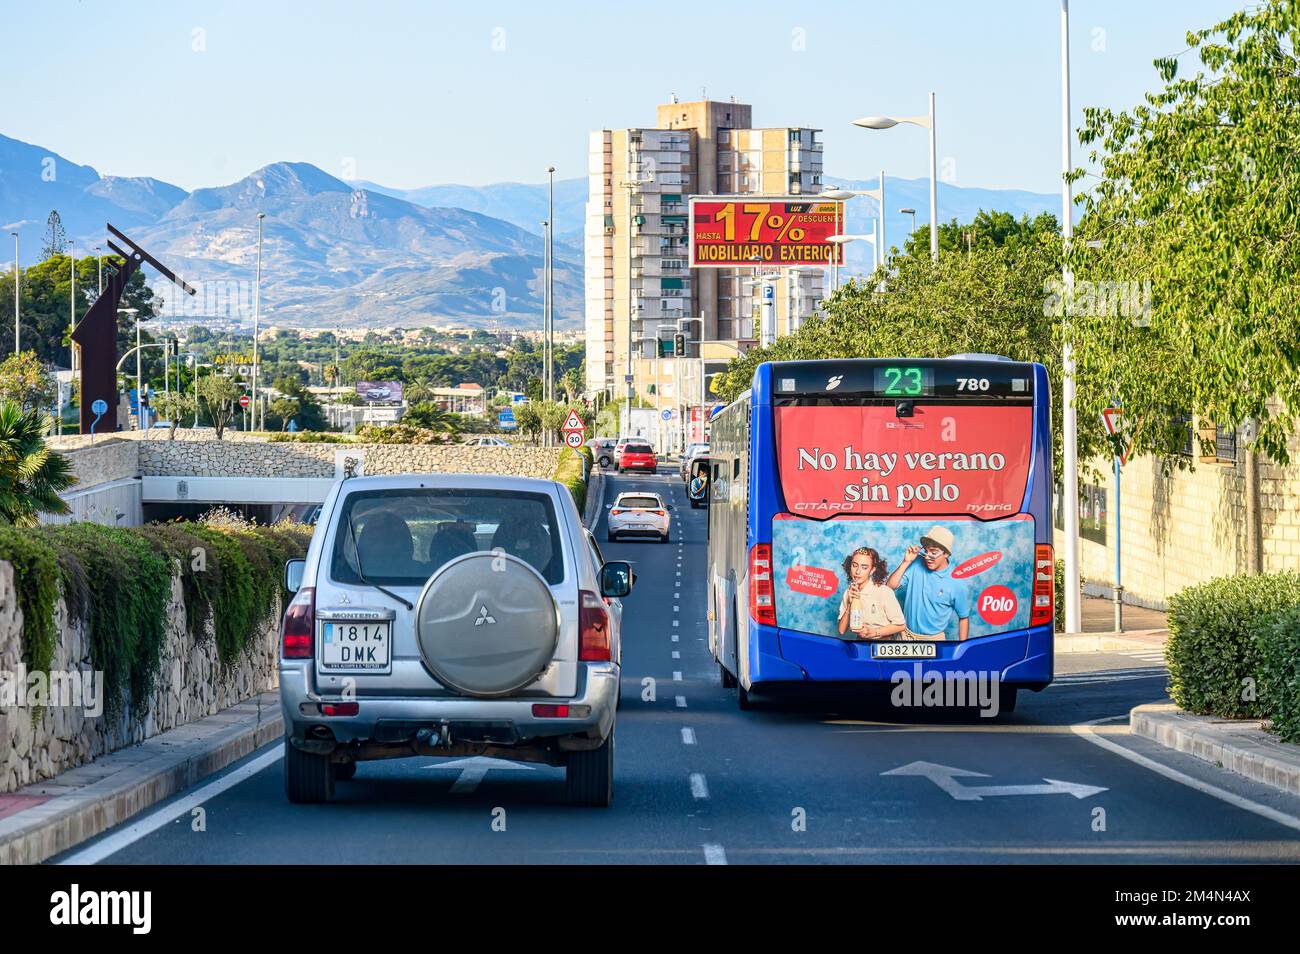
(882, 245)
(546, 375)
(550, 281)
(139, 380)
(1119, 582)
(17, 282)
(934, 186)
(72, 305)
(257, 310)
(1070, 438)
(99, 256)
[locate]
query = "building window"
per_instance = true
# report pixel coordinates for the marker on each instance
(1225, 444)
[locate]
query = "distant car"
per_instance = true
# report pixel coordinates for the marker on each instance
(618, 447)
(602, 448)
(692, 452)
(637, 456)
(379, 394)
(486, 442)
(639, 515)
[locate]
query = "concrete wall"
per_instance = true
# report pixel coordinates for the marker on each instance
(1186, 527)
(107, 490)
(192, 684)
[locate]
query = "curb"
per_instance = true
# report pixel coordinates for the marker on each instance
(595, 495)
(92, 798)
(1147, 639)
(1240, 746)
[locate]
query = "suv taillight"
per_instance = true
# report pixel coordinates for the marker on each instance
(298, 631)
(1044, 586)
(762, 604)
(593, 628)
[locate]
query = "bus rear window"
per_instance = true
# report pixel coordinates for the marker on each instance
(943, 459)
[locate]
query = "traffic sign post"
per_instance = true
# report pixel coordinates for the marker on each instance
(573, 430)
(1112, 419)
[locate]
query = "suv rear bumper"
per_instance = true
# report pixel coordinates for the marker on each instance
(382, 720)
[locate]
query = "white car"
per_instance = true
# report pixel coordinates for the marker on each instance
(636, 514)
(486, 442)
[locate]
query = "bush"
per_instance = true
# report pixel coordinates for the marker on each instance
(1279, 672)
(569, 470)
(401, 434)
(118, 583)
(307, 437)
(1214, 652)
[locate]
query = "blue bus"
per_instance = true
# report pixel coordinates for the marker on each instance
(868, 515)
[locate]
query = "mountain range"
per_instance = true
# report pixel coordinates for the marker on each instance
(357, 254)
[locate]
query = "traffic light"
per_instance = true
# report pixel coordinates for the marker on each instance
(679, 344)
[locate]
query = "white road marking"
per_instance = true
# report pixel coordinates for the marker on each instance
(946, 776)
(676, 654)
(714, 855)
(677, 676)
(676, 607)
(677, 584)
(1089, 731)
(681, 702)
(674, 637)
(182, 806)
(474, 769)
(676, 623)
(688, 736)
(699, 787)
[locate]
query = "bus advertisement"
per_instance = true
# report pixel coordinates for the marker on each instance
(867, 511)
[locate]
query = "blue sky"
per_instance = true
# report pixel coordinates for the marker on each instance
(411, 94)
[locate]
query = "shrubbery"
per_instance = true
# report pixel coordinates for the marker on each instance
(570, 471)
(1230, 653)
(307, 437)
(118, 581)
(402, 434)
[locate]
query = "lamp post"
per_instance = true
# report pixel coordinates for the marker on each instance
(912, 213)
(72, 305)
(546, 321)
(99, 257)
(17, 282)
(257, 312)
(1070, 435)
(878, 193)
(767, 329)
(139, 378)
(550, 283)
(630, 184)
(845, 240)
(888, 122)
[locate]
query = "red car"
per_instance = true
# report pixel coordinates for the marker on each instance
(637, 457)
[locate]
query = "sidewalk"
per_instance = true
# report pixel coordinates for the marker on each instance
(46, 818)
(1144, 629)
(1241, 746)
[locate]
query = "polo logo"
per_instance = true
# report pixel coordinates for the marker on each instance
(484, 616)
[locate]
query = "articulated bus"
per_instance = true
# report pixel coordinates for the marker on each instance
(867, 515)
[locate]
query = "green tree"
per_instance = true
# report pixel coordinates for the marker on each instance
(26, 382)
(220, 395)
(31, 475)
(284, 410)
(308, 413)
(1196, 202)
(173, 408)
(430, 416)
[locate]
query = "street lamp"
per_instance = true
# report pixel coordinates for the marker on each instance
(17, 281)
(139, 378)
(1070, 433)
(845, 240)
(257, 313)
(912, 213)
(72, 304)
(878, 194)
(889, 122)
(546, 321)
(550, 284)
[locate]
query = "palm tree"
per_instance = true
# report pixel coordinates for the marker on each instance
(31, 475)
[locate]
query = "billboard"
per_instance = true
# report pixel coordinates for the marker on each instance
(944, 458)
(784, 232)
(380, 392)
(833, 577)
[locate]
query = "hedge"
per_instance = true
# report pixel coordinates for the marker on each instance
(1279, 672)
(1224, 645)
(570, 471)
(118, 582)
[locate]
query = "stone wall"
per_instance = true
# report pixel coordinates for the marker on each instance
(191, 684)
(263, 459)
(105, 461)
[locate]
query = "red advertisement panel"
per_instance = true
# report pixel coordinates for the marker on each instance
(944, 459)
(728, 232)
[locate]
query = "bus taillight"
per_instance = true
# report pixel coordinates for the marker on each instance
(1044, 586)
(762, 604)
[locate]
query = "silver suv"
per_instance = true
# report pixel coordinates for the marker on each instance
(450, 615)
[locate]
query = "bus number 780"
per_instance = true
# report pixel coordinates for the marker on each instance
(972, 384)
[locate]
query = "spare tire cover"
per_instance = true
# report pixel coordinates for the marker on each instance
(486, 624)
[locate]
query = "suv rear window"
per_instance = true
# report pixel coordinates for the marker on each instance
(405, 535)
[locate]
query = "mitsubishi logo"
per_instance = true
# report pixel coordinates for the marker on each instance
(834, 382)
(484, 616)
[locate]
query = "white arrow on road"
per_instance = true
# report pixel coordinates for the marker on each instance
(473, 770)
(945, 776)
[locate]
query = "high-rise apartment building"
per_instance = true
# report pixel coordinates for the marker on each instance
(639, 290)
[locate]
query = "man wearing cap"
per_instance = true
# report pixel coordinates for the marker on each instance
(930, 596)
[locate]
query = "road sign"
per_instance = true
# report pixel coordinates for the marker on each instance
(573, 422)
(1113, 420)
(667, 414)
(244, 400)
(573, 439)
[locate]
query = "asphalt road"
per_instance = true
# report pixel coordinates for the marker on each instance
(698, 781)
